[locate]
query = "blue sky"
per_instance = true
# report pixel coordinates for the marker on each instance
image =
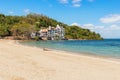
(101, 16)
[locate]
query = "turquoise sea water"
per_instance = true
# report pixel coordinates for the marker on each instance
(107, 47)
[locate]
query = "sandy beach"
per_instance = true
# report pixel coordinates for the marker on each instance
(19, 62)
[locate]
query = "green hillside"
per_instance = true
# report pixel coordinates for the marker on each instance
(22, 26)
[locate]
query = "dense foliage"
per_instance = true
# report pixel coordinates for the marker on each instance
(21, 27)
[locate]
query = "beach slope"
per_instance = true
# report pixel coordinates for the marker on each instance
(18, 62)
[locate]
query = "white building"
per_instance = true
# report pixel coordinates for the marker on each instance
(52, 33)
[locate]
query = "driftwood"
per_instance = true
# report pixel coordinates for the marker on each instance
(45, 49)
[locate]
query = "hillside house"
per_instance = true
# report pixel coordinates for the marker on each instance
(50, 33)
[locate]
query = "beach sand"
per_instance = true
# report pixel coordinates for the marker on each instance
(18, 62)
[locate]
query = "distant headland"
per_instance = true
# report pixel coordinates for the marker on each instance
(26, 27)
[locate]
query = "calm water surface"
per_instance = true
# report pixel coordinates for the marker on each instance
(107, 47)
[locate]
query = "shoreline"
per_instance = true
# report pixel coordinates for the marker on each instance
(80, 54)
(19, 62)
(76, 53)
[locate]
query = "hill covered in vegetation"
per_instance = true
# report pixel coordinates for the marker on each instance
(22, 26)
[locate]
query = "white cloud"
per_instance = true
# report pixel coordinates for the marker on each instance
(114, 27)
(113, 18)
(85, 26)
(76, 1)
(88, 26)
(75, 24)
(76, 5)
(107, 28)
(27, 11)
(63, 1)
(112, 31)
(92, 27)
(73, 3)
(11, 12)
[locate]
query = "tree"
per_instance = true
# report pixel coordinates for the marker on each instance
(22, 26)
(4, 31)
(2, 18)
(22, 31)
